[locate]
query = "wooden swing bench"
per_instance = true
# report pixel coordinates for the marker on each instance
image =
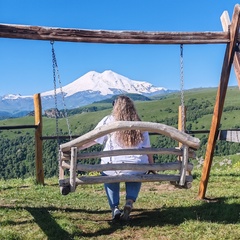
(69, 156)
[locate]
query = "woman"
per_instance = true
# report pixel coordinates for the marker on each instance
(123, 110)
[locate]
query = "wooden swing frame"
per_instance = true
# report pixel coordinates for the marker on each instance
(230, 37)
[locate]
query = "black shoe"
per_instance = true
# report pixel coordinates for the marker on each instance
(126, 211)
(116, 214)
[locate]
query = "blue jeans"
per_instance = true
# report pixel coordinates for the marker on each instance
(113, 192)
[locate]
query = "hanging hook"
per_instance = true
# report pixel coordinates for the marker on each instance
(181, 50)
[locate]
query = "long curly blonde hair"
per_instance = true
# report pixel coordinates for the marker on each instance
(124, 110)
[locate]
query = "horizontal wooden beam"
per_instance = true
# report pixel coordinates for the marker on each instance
(129, 166)
(76, 136)
(103, 36)
(59, 137)
(121, 152)
(17, 127)
(229, 135)
(124, 178)
(166, 130)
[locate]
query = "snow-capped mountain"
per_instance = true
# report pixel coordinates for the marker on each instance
(106, 83)
(89, 88)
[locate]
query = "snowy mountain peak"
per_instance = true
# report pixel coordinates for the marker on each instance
(14, 96)
(105, 83)
(89, 88)
(11, 96)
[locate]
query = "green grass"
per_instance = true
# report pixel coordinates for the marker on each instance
(31, 211)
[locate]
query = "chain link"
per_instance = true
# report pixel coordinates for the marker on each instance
(182, 87)
(56, 72)
(55, 91)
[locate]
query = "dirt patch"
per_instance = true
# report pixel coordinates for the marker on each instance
(153, 186)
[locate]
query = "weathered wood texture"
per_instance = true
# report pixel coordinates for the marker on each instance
(73, 168)
(236, 60)
(236, 64)
(181, 120)
(103, 36)
(121, 152)
(221, 93)
(184, 166)
(229, 135)
(38, 141)
(124, 178)
(128, 166)
(143, 126)
(60, 166)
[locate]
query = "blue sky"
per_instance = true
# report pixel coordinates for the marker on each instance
(26, 65)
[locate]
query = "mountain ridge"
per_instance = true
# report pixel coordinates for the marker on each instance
(105, 83)
(89, 88)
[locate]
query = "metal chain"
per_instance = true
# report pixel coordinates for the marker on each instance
(56, 71)
(55, 91)
(182, 87)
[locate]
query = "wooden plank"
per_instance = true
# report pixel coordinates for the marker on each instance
(229, 135)
(123, 125)
(181, 120)
(218, 109)
(236, 61)
(38, 141)
(184, 166)
(124, 166)
(236, 64)
(120, 152)
(131, 166)
(73, 169)
(225, 20)
(60, 166)
(103, 36)
(125, 178)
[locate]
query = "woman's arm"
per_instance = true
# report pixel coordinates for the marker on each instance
(150, 158)
(151, 161)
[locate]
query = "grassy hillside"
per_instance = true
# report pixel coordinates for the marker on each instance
(161, 110)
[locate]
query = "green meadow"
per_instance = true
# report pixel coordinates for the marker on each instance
(32, 211)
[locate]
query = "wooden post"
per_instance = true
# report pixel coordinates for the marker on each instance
(225, 20)
(220, 98)
(73, 169)
(181, 124)
(181, 120)
(184, 166)
(38, 140)
(61, 170)
(184, 158)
